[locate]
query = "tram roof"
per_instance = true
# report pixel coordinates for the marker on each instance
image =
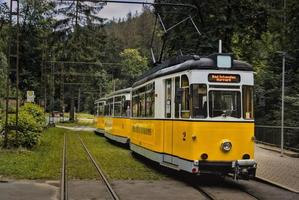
(189, 62)
(100, 100)
(118, 92)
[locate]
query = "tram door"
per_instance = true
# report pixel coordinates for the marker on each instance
(168, 122)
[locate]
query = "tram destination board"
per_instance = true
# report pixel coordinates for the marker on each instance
(224, 78)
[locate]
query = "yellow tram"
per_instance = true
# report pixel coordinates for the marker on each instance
(193, 114)
(115, 116)
(100, 122)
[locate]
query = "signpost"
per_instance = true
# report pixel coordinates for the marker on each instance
(30, 96)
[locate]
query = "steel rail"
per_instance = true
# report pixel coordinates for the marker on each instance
(205, 193)
(211, 196)
(101, 173)
(63, 181)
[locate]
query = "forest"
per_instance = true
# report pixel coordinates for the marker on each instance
(69, 56)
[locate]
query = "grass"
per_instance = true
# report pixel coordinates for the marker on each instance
(117, 162)
(78, 164)
(44, 161)
(78, 123)
(85, 115)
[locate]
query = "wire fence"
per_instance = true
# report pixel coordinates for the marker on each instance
(272, 135)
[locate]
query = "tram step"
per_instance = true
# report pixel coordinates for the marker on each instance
(169, 165)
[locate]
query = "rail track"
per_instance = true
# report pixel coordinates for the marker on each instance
(215, 187)
(214, 190)
(229, 191)
(64, 180)
(213, 193)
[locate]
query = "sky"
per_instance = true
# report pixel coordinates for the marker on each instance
(121, 10)
(116, 10)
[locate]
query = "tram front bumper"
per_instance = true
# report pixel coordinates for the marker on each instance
(244, 169)
(240, 169)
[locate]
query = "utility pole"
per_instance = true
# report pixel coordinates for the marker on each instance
(282, 103)
(12, 69)
(79, 97)
(283, 78)
(62, 92)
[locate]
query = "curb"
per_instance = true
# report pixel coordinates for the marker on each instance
(258, 178)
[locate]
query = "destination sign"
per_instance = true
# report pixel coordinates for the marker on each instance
(224, 78)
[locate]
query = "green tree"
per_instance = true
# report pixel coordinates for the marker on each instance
(132, 64)
(216, 20)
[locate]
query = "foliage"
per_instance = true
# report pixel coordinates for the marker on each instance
(35, 111)
(252, 30)
(133, 64)
(31, 121)
(77, 13)
(134, 32)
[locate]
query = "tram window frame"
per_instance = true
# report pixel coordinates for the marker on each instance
(177, 102)
(125, 107)
(100, 111)
(106, 110)
(117, 104)
(97, 109)
(143, 101)
(126, 112)
(201, 111)
(185, 101)
(150, 102)
(238, 102)
(135, 103)
(248, 107)
(142, 106)
(110, 102)
(168, 97)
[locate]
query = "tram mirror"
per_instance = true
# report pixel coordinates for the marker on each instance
(178, 95)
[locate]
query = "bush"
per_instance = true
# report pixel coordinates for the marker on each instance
(36, 112)
(30, 125)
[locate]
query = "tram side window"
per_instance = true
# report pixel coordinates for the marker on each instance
(101, 109)
(110, 102)
(135, 102)
(143, 101)
(125, 111)
(248, 102)
(150, 100)
(106, 110)
(185, 108)
(177, 101)
(117, 106)
(199, 100)
(142, 105)
(168, 90)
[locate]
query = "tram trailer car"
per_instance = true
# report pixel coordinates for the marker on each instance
(114, 118)
(196, 114)
(100, 121)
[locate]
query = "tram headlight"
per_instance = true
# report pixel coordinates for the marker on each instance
(226, 146)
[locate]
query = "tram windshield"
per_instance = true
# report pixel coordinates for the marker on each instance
(199, 100)
(225, 104)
